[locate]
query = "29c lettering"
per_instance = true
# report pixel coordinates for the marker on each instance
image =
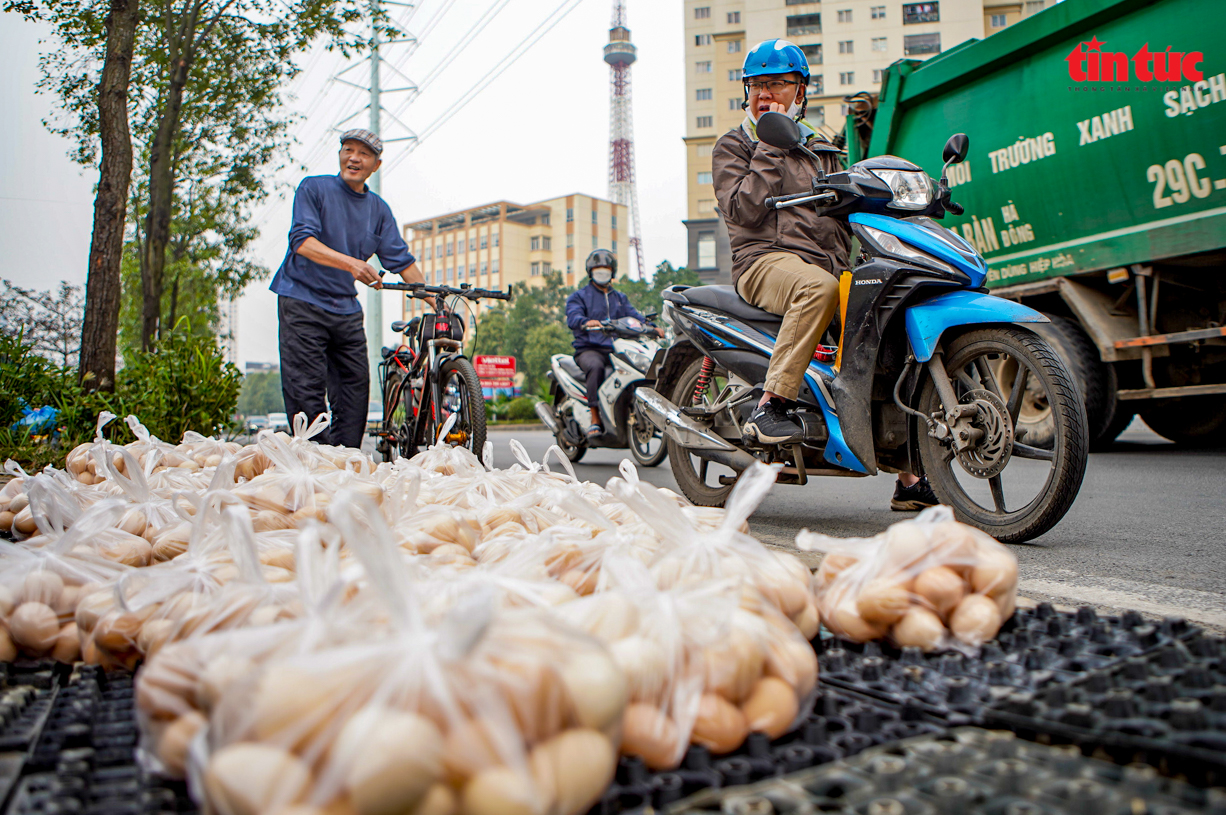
(1181, 178)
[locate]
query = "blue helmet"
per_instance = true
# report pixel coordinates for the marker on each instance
(776, 57)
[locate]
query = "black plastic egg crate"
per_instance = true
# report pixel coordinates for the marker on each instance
(966, 771)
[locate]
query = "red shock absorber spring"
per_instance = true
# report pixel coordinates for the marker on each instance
(704, 380)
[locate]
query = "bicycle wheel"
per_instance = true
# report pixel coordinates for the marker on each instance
(398, 418)
(460, 394)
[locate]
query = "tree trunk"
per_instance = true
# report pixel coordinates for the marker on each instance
(174, 303)
(101, 325)
(182, 43)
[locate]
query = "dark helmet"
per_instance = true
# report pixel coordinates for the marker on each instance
(600, 257)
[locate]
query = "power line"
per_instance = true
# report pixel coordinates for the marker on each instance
(464, 41)
(506, 62)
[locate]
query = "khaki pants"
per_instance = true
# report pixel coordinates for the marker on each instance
(806, 296)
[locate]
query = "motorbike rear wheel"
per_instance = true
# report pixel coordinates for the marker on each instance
(647, 442)
(574, 452)
(1052, 475)
(698, 478)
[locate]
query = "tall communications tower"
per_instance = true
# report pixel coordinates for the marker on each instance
(620, 54)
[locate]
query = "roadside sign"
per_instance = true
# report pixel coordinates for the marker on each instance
(495, 371)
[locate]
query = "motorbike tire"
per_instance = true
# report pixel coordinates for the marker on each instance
(693, 482)
(1192, 421)
(458, 381)
(1067, 455)
(641, 452)
(573, 452)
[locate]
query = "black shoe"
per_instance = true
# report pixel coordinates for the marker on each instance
(771, 424)
(916, 497)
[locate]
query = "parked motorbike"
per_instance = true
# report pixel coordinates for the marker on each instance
(928, 377)
(567, 414)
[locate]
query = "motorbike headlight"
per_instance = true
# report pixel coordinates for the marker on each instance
(894, 246)
(912, 190)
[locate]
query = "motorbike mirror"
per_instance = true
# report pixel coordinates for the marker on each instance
(956, 149)
(651, 315)
(778, 130)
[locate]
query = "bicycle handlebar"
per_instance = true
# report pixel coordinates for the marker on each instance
(421, 290)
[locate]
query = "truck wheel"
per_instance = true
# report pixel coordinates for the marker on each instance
(1119, 417)
(1195, 421)
(1092, 375)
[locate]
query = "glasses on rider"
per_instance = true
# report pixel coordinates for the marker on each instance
(772, 85)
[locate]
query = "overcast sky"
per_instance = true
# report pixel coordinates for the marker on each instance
(538, 130)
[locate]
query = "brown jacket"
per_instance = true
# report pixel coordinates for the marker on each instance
(746, 173)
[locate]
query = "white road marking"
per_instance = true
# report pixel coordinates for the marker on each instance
(1151, 598)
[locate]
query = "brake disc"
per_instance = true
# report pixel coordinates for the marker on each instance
(989, 455)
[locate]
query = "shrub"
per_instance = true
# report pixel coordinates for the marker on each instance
(522, 409)
(185, 384)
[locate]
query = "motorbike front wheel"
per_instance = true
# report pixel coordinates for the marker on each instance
(1042, 481)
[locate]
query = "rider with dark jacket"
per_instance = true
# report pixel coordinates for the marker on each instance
(585, 309)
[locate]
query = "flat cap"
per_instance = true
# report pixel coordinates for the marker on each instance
(365, 137)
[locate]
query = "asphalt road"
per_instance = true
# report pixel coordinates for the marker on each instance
(1146, 532)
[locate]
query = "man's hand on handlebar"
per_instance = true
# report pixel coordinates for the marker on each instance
(592, 325)
(365, 273)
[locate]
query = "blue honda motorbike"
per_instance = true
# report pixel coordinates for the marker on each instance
(927, 372)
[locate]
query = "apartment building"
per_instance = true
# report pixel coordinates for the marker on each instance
(499, 244)
(848, 43)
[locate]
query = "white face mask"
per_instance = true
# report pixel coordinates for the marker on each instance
(602, 276)
(793, 112)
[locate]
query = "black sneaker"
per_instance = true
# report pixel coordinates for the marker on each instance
(771, 424)
(916, 497)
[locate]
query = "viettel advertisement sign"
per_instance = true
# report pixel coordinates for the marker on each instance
(1104, 149)
(495, 371)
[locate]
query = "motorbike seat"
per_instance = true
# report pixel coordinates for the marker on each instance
(572, 368)
(721, 298)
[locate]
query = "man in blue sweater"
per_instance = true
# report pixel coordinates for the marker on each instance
(338, 225)
(585, 309)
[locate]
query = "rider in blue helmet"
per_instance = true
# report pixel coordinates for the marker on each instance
(786, 261)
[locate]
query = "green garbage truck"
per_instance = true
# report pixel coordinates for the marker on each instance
(1095, 189)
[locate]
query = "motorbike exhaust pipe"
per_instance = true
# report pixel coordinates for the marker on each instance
(689, 433)
(546, 415)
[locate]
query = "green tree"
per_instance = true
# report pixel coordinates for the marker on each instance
(261, 394)
(506, 329)
(207, 119)
(542, 343)
(646, 295)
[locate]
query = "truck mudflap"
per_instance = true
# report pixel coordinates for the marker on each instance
(927, 321)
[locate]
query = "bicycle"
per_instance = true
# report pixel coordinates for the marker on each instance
(428, 378)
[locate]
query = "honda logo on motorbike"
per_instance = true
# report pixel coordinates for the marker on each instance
(1087, 63)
